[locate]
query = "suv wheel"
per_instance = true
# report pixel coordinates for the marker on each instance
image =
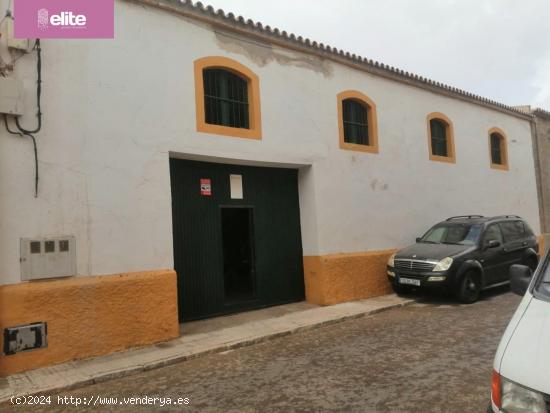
(468, 290)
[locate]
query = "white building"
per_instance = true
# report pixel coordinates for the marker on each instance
(116, 112)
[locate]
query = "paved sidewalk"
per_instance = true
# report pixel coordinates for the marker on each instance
(203, 341)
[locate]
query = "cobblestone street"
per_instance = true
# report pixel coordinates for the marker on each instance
(432, 356)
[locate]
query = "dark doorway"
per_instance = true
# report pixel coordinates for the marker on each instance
(238, 254)
(235, 253)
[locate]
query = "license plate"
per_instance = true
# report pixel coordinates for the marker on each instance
(409, 281)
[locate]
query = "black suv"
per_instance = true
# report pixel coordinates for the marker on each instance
(464, 255)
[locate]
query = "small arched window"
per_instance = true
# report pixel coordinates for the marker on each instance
(498, 151)
(227, 98)
(440, 138)
(357, 122)
(356, 125)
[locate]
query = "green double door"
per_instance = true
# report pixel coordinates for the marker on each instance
(237, 241)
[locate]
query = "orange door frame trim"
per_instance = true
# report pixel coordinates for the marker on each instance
(451, 157)
(371, 119)
(220, 62)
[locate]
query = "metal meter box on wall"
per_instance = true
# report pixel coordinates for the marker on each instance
(7, 32)
(48, 257)
(24, 338)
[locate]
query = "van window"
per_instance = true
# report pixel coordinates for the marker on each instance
(512, 230)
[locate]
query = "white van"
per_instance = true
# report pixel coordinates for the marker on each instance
(521, 370)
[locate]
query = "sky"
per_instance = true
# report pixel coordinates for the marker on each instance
(499, 49)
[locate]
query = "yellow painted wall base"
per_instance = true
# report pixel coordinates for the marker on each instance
(336, 278)
(90, 316)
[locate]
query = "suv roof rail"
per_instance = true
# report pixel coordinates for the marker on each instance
(465, 216)
(507, 216)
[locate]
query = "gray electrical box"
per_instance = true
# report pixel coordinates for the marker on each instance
(24, 338)
(11, 96)
(48, 257)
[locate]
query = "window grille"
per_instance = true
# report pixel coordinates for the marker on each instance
(356, 128)
(496, 149)
(225, 99)
(439, 137)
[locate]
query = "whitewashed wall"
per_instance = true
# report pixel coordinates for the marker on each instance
(114, 111)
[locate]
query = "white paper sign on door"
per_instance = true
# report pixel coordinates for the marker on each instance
(236, 185)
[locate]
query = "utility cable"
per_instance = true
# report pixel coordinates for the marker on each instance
(27, 132)
(21, 134)
(38, 92)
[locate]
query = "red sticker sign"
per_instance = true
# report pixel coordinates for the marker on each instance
(206, 187)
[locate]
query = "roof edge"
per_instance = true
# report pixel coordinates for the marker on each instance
(535, 112)
(539, 112)
(281, 38)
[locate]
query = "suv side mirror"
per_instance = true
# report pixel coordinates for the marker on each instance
(418, 239)
(492, 244)
(520, 278)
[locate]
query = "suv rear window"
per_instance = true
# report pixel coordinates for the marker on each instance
(513, 230)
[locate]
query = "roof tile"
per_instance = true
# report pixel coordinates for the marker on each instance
(249, 24)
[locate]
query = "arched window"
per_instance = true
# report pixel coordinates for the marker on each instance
(357, 122)
(498, 150)
(440, 138)
(356, 126)
(227, 98)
